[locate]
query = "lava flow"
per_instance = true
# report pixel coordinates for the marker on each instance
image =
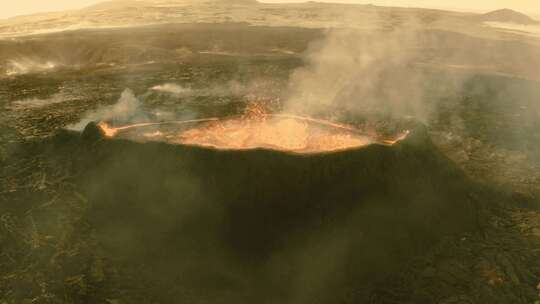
(255, 129)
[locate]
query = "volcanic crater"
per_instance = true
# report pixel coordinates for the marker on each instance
(226, 214)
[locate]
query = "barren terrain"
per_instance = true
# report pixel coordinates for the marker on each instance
(186, 61)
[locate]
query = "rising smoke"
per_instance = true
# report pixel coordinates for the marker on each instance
(26, 65)
(401, 71)
(362, 72)
(35, 103)
(254, 87)
(173, 89)
(127, 109)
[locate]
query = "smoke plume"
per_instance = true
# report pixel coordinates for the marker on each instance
(360, 72)
(127, 109)
(26, 65)
(173, 89)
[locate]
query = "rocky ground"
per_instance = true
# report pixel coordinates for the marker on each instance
(49, 253)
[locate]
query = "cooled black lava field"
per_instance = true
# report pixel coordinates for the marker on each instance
(447, 212)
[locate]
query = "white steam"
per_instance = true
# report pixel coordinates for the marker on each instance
(360, 72)
(172, 88)
(259, 87)
(34, 103)
(127, 109)
(25, 66)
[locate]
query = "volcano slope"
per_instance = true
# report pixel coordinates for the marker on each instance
(242, 225)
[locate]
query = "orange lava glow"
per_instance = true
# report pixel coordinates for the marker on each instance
(276, 133)
(255, 129)
(108, 130)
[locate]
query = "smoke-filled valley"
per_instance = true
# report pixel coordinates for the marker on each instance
(171, 152)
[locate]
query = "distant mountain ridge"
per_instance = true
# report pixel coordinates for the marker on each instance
(127, 13)
(115, 4)
(508, 15)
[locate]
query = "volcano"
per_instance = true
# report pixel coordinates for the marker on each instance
(235, 223)
(274, 131)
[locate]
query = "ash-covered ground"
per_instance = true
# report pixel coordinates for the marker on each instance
(476, 92)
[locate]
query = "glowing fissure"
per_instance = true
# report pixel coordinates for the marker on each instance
(255, 129)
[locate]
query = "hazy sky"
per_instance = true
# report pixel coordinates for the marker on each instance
(20, 7)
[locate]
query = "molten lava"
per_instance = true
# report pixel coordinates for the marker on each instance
(272, 132)
(108, 130)
(255, 129)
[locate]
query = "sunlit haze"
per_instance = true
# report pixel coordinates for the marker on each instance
(24, 7)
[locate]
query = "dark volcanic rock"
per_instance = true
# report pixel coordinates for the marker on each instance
(92, 132)
(210, 220)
